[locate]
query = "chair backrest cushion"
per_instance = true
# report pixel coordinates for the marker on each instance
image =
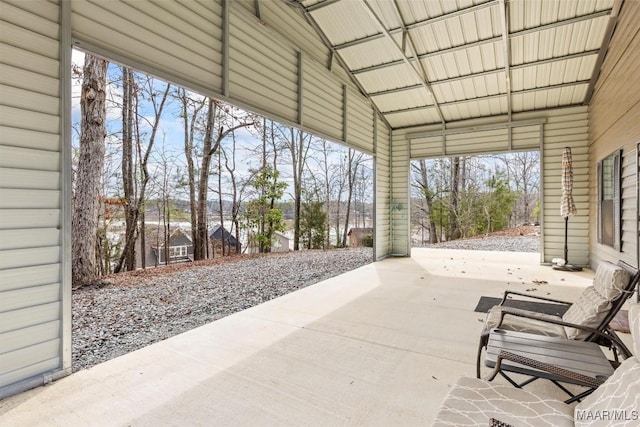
(589, 310)
(634, 326)
(618, 399)
(611, 280)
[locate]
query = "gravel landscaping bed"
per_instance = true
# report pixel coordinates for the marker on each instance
(132, 310)
(494, 243)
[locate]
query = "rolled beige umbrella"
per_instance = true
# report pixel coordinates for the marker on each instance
(567, 204)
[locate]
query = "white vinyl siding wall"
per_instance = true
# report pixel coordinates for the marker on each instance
(183, 42)
(399, 208)
(566, 128)
(382, 190)
(31, 212)
(262, 70)
(322, 101)
(359, 122)
(169, 39)
(614, 120)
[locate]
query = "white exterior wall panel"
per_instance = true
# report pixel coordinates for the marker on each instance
(399, 203)
(167, 39)
(322, 100)
(260, 64)
(614, 124)
(31, 245)
(359, 123)
(382, 190)
(283, 18)
(565, 128)
(561, 128)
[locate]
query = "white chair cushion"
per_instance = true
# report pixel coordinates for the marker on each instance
(589, 310)
(616, 402)
(610, 280)
(473, 402)
(523, 324)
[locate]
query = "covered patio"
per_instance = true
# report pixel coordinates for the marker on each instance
(397, 80)
(379, 345)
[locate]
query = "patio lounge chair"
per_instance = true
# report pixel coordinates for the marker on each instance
(595, 308)
(475, 402)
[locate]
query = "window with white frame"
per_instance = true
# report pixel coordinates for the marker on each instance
(177, 252)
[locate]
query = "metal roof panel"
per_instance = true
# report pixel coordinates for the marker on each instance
(360, 56)
(413, 118)
(344, 21)
(406, 99)
(388, 78)
(553, 45)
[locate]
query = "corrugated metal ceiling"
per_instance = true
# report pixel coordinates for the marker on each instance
(438, 61)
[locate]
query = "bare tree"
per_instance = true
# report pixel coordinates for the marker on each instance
(299, 144)
(85, 198)
(135, 160)
(353, 163)
(191, 107)
(523, 170)
(454, 228)
(427, 193)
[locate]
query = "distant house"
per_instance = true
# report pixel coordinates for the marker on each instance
(281, 243)
(219, 235)
(180, 247)
(357, 235)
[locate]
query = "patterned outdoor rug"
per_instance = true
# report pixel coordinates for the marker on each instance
(619, 323)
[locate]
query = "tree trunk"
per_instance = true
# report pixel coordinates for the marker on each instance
(428, 197)
(85, 200)
(189, 119)
(352, 171)
(209, 148)
(454, 230)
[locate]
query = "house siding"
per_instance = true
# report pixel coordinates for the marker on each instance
(557, 129)
(614, 119)
(34, 292)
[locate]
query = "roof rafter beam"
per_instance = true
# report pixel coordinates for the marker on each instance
(320, 5)
(506, 51)
(489, 40)
(423, 80)
(418, 24)
(489, 72)
(556, 24)
(489, 97)
(611, 25)
(334, 55)
(430, 54)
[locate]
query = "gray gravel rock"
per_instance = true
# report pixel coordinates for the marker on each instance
(494, 243)
(113, 320)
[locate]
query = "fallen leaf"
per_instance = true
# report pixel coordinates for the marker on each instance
(433, 377)
(540, 282)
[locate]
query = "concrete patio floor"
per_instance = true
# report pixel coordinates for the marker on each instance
(379, 345)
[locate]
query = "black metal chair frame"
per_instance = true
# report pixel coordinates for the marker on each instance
(602, 334)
